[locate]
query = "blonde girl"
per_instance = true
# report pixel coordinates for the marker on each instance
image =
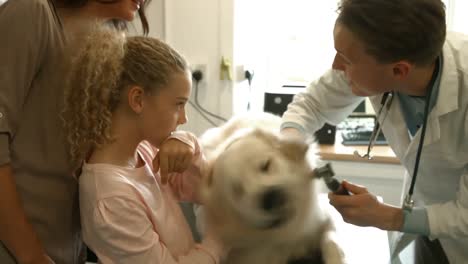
(126, 97)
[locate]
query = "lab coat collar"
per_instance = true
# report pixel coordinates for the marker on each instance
(447, 101)
(395, 128)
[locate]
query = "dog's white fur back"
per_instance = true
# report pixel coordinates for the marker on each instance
(259, 194)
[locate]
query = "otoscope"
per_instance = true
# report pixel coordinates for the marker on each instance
(326, 173)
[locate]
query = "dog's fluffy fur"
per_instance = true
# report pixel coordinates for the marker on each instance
(259, 195)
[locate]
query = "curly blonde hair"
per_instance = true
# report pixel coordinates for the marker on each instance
(107, 63)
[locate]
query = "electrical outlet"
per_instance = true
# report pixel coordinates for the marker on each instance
(203, 69)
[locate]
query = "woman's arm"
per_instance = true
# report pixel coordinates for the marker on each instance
(24, 30)
(15, 230)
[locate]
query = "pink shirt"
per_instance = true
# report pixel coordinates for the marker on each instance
(128, 216)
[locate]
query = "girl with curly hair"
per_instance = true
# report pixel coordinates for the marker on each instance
(126, 97)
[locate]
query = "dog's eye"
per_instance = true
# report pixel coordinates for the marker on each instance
(265, 166)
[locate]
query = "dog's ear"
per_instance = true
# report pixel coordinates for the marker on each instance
(295, 150)
(206, 182)
(207, 174)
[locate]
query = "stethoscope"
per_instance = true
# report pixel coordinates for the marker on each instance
(386, 103)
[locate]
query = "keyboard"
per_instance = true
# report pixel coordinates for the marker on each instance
(357, 130)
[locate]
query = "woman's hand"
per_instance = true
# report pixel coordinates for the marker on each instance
(364, 209)
(174, 156)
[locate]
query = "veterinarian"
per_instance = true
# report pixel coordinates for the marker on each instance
(400, 50)
(39, 214)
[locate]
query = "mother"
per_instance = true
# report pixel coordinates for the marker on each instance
(39, 213)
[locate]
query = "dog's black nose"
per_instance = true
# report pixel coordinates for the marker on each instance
(273, 199)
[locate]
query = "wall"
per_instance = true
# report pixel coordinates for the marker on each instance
(203, 32)
(155, 16)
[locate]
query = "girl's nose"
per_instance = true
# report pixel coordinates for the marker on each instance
(183, 118)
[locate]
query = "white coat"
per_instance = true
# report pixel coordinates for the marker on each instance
(442, 181)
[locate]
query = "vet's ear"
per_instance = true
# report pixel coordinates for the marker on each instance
(294, 149)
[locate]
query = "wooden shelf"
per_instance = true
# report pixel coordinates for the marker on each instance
(380, 154)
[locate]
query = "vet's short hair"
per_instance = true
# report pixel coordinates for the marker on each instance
(393, 30)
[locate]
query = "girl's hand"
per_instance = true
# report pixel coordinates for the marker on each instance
(364, 209)
(174, 156)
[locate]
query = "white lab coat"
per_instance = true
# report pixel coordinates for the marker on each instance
(442, 181)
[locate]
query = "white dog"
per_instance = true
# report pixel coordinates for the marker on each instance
(259, 196)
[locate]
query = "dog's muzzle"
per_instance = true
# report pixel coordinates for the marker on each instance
(273, 199)
(273, 202)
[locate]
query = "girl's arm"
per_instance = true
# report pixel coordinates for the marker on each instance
(119, 231)
(180, 160)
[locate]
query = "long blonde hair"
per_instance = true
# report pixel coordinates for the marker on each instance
(107, 63)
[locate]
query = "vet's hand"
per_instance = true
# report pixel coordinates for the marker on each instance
(173, 156)
(364, 209)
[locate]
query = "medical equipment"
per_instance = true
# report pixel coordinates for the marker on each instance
(326, 173)
(386, 102)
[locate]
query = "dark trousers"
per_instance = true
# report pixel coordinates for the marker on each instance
(429, 252)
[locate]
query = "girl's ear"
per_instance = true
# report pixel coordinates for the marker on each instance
(135, 97)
